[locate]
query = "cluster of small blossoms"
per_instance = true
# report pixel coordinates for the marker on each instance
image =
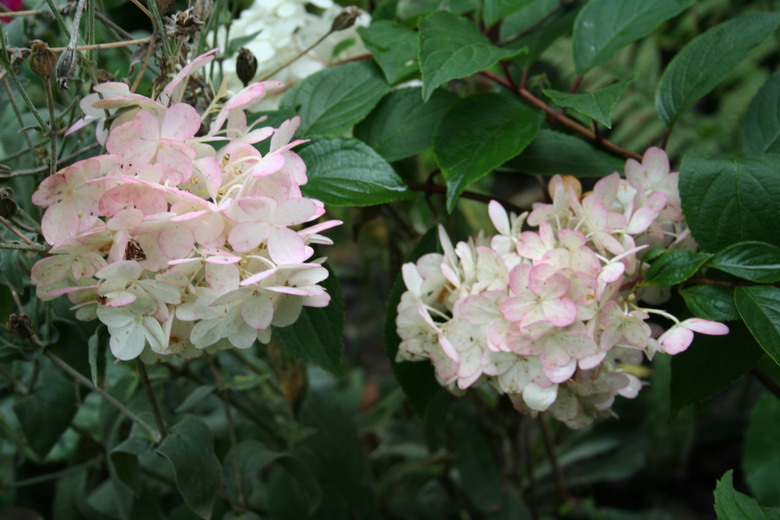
(175, 245)
(284, 28)
(551, 316)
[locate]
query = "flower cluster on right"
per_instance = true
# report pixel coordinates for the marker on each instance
(551, 316)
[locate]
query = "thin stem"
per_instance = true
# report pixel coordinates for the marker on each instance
(549, 447)
(52, 127)
(110, 45)
(41, 169)
(55, 475)
(436, 188)
(213, 363)
(15, 107)
(158, 419)
(726, 283)
(144, 64)
(111, 25)
(83, 381)
(159, 26)
(766, 380)
(30, 12)
(10, 70)
(291, 61)
(18, 246)
(16, 232)
(561, 118)
(667, 134)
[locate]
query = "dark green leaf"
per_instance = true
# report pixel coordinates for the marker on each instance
(478, 134)
(124, 459)
(346, 172)
(45, 414)
(237, 43)
(476, 462)
(675, 267)
(402, 125)
(762, 121)
(535, 27)
(730, 201)
(495, 10)
(416, 379)
(189, 448)
(761, 458)
(384, 10)
(393, 46)
(730, 504)
(595, 105)
(195, 398)
(706, 60)
(552, 153)
(318, 335)
(332, 100)
(711, 302)
(711, 364)
(451, 47)
(759, 307)
(754, 261)
(604, 26)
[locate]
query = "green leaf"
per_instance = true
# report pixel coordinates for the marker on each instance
(451, 47)
(124, 459)
(195, 398)
(759, 307)
(415, 378)
(605, 26)
(189, 448)
(347, 172)
(478, 134)
(332, 100)
(552, 153)
(711, 364)
(730, 504)
(754, 261)
(594, 105)
(495, 10)
(761, 458)
(318, 334)
(536, 27)
(709, 58)
(393, 46)
(711, 302)
(45, 414)
(762, 121)
(476, 462)
(236, 43)
(675, 267)
(402, 125)
(730, 201)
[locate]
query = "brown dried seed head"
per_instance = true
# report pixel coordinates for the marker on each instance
(202, 8)
(345, 19)
(246, 66)
(42, 59)
(8, 206)
(20, 325)
(66, 66)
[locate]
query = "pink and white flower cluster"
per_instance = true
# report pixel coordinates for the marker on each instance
(551, 316)
(176, 244)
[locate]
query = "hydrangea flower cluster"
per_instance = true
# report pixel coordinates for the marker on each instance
(551, 316)
(284, 28)
(175, 245)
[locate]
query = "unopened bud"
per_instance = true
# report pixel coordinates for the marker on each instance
(345, 19)
(202, 9)
(19, 324)
(8, 206)
(246, 65)
(42, 59)
(66, 66)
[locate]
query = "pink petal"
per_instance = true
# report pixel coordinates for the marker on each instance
(257, 311)
(295, 211)
(258, 277)
(176, 241)
(676, 339)
(181, 122)
(286, 246)
(701, 326)
(561, 312)
(50, 190)
(246, 236)
(641, 220)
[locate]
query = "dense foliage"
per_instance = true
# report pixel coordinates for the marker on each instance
(532, 206)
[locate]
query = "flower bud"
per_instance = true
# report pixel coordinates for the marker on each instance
(16, 56)
(246, 65)
(345, 19)
(66, 66)
(8, 206)
(42, 59)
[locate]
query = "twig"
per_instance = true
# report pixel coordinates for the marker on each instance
(766, 380)
(111, 25)
(110, 45)
(30, 12)
(726, 283)
(437, 188)
(158, 419)
(18, 246)
(16, 232)
(213, 363)
(145, 63)
(83, 381)
(41, 169)
(15, 107)
(294, 58)
(52, 127)
(561, 118)
(667, 134)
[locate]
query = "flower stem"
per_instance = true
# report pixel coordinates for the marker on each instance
(549, 447)
(15, 107)
(158, 419)
(296, 57)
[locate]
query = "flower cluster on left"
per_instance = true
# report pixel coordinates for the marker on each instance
(182, 237)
